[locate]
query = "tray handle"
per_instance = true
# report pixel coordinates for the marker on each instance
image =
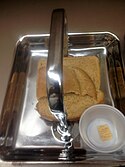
(57, 49)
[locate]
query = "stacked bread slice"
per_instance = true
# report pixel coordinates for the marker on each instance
(81, 82)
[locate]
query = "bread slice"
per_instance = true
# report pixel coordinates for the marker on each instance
(81, 79)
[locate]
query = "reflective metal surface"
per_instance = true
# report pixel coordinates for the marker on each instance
(24, 135)
(55, 76)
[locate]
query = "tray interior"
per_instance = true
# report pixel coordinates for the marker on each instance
(24, 134)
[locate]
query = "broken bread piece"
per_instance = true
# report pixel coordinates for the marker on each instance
(81, 86)
(104, 132)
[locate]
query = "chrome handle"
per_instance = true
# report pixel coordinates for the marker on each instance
(55, 62)
(55, 73)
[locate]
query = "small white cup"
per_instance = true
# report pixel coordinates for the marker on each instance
(98, 116)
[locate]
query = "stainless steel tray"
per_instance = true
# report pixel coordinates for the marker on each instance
(24, 135)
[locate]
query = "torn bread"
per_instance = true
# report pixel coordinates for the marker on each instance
(81, 82)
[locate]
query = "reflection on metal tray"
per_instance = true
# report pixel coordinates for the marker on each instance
(24, 135)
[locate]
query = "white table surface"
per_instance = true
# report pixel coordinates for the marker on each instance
(18, 18)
